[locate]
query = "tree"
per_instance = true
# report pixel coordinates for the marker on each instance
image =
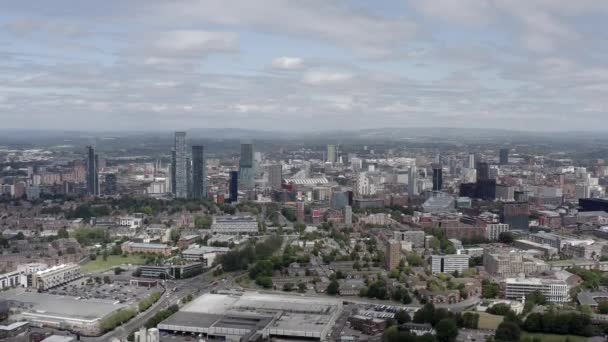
(203, 222)
(447, 330)
(302, 287)
(264, 281)
(105, 255)
(117, 270)
(499, 309)
(288, 287)
(537, 298)
(506, 237)
(402, 317)
(507, 332)
(603, 308)
(63, 233)
(489, 289)
(333, 288)
(425, 314)
(469, 320)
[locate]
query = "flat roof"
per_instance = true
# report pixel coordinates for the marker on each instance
(63, 307)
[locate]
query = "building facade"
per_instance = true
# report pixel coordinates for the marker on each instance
(449, 263)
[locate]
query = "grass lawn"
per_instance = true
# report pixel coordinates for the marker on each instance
(99, 265)
(489, 321)
(553, 338)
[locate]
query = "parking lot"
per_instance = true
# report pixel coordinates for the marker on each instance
(119, 292)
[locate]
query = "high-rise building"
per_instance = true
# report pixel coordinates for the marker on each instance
(199, 173)
(275, 176)
(234, 186)
(412, 185)
(181, 166)
(172, 176)
(504, 156)
(110, 184)
(437, 177)
(331, 154)
(246, 166)
(189, 176)
(471, 161)
(92, 172)
(300, 211)
(516, 215)
(483, 171)
(393, 254)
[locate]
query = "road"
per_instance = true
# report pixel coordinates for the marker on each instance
(199, 284)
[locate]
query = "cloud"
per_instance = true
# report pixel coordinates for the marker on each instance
(192, 43)
(325, 77)
(287, 63)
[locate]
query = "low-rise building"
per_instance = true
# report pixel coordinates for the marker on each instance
(416, 237)
(367, 325)
(493, 230)
(234, 225)
(55, 276)
(152, 248)
(554, 290)
(449, 263)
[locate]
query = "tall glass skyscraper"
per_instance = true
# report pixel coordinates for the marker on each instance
(199, 173)
(246, 167)
(181, 173)
(92, 172)
(233, 187)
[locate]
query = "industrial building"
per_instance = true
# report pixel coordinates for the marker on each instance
(252, 316)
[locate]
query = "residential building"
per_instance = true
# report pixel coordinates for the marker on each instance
(512, 263)
(199, 173)
(416, 237)
(275, 176)
(92, 172)
(493, 230)
(246, 167)
(181, 172)
(393, 254)
(152, 248)
(55, 276)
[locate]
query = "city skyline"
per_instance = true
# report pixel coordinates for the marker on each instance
(317, 65)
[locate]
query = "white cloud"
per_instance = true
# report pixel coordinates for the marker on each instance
(325, 77)
(287, 63)
(193, 42)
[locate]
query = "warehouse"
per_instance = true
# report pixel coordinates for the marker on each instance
(250, 315)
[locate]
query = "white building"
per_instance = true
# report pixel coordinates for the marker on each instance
(364, 185)
(449, 263)
(233, 225)
(131, 222)
(556, 291)
(493, 230)
(10, 279)
(55, 276)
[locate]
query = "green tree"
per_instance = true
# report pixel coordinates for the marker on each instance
(402, 317)
(603, 308)
(507, 332)
(264, 281)
(447, 330)
(333, 288)
(506, 237)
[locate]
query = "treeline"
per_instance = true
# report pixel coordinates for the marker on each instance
(118, 318)
(241, 259)
(262, 270)
(161, 316)
(562, 323)
(149, 301)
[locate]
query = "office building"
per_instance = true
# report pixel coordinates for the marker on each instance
(512, 263)
(412, 185)
(246, 167)
(92, 172)
(437, 177)
(516, 215)
(275, 176)
(331, 154)
(233, 187)
(110, 186)
(493, 230)
(483, 171)
(393, 254)
(234, 225)
(348, 215)
(449, 263)
(503, 156)
(181, 166)
(416, 237)
(55, 276)
(146, 248)
(199, 173)
(300, 211)
(554, 290)
(471, 161)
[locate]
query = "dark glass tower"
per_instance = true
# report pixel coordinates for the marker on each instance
(199, 173)
(173, 162)
(437, 178)
(234, 186)
(92, 172)
(504, 156)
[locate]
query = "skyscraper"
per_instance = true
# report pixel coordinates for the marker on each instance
(412, 185)
(233, 187)
(246, 167)
(181, 172)
(483, 171)
(92, 172)
(275, 176)
(300, 211)
(189, 176)
(471, 161)
(199, 173)
(331, 154)
(437, 177)
(110, 184)
(504, 156)
(173, 162)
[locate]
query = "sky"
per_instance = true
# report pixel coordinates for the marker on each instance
(304, 65)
